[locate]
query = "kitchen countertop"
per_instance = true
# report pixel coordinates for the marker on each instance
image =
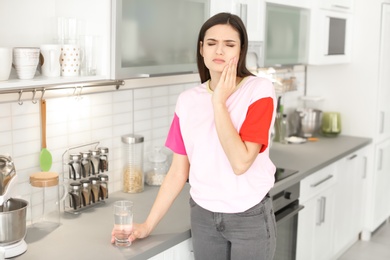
(87, 235)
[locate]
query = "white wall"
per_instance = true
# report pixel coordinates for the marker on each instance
(352, 88)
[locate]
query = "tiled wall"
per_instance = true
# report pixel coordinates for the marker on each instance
(74, 121)
(103, 118)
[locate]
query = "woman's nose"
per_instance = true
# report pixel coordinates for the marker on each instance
(219, 49)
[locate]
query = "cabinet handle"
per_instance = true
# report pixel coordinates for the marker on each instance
(380, 159)
(382, 122)
(352, 157)
(319, 211)
(341, 6)
(364, 167)
(323, 209)
(321, 181)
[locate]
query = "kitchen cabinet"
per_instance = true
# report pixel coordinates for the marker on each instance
(350, 191)
(181, 251)
(252, 12)
(315, 221)
(384, 77)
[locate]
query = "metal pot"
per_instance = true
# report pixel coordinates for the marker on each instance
(307, 121)
(13, 221)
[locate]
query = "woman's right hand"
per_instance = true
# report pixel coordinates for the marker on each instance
(139, 231)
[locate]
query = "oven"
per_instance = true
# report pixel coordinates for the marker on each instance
(286, 207)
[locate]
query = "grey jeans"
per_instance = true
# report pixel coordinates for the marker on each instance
(234, 236)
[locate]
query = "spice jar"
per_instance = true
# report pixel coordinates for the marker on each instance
(75, 195)
(45, 199)
(158, 167)
(86, 192)
(133, 177)
(75, 166)
(103, 186)
(95, 161)
(85, 164)
(103, 159)
(95, 189)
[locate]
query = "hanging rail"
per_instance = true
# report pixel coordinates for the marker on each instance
(74, 85)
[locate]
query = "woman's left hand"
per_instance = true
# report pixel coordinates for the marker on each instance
(227, 83)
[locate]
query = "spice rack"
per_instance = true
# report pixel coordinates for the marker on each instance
(71, 177)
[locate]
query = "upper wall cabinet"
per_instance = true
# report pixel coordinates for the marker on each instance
(252, 13)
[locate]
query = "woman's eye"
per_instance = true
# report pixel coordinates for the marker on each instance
(210, 44)
(230, 45)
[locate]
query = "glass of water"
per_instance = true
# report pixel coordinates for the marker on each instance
(123, 217)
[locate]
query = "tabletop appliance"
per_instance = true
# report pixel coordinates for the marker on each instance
(12, 212)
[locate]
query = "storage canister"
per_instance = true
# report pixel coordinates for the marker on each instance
(45, 199)
(132, 156)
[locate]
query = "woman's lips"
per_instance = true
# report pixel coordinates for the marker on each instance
(219, 61)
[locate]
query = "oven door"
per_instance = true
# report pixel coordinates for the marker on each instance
(287, 229)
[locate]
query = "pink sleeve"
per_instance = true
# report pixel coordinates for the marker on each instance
(175, 140)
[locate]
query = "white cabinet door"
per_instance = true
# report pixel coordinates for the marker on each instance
(315, 228)
(350, 192)
(295, 3)
(384, 76)
(381, 209)
(182, 251)
(252, 13)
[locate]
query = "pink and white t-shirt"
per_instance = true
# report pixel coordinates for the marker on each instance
(214, 186)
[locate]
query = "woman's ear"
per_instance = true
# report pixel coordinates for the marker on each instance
(201, 48)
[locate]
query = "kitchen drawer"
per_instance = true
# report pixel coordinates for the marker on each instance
(317, 182)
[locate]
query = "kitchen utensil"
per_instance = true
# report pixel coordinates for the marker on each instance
(307, 122)
(331, 124)
(25, 60)
(51, 60)
(13, 221)
(5, 63)
(45, 158)
(7, 178)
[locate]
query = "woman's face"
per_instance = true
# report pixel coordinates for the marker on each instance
(221, 44)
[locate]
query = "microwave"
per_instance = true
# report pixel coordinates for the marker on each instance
(155, 38)
(331, 36)
(286, 35)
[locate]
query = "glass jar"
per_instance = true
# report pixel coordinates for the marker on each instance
(86, 164)
(75, 166)
(103, 186)
(86, 192)
(95, 161)
(95, 189)
(45, 200)
(132, 156)
(158, 167)
(103, 159)
(75, 195)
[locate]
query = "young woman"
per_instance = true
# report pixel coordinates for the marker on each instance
(220, 137)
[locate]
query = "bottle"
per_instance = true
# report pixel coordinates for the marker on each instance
(283, 129)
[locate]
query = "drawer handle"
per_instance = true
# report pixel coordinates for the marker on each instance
(321, 181)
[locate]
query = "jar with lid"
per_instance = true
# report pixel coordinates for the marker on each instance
(95, 161)
(95, 189)
(103, 159)
(75, 195)
(103, 186)
(86, 192)
(46, 199)
(86, 164)
(158, 167)
(74, 166)
(132, 156)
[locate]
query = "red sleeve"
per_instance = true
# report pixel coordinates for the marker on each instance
(257, 123)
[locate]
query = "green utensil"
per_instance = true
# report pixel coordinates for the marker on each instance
(45, 158)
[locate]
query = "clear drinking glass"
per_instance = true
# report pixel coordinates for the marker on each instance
(123, 225)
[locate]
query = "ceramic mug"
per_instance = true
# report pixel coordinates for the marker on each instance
(5, 63)
(51, 66)
(25, 60)
(70, 60)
